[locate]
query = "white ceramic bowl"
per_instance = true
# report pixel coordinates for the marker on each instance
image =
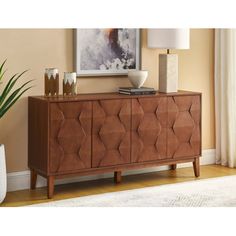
(137, 77)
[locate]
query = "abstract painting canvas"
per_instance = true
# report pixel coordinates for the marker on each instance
(107, 51)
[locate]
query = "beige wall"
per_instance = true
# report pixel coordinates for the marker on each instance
(38, 49)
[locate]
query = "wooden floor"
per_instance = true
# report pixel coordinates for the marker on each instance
(28, 197)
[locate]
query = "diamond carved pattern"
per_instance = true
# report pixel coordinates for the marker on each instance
(149, 136)
(111, 132)
(183, 126)
(158, 127)
(70, 136)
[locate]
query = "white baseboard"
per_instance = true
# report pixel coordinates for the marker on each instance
(21, 180)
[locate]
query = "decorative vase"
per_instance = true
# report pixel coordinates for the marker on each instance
(137, 77)
(51, 77)
(3, 174)
(69, 83)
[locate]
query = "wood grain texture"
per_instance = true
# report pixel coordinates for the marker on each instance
(111, 132)
(184, 127)
(99, 133)
(108, 96)
(38, 134)
(149, 136)
(70, 136)
(124, 167)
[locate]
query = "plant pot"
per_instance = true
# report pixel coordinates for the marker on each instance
(3, 174)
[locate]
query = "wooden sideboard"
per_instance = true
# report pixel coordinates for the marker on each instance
(97, 133)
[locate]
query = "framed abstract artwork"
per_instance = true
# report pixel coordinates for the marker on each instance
(101, 52)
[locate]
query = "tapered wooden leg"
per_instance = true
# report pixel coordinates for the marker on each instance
(50, 186)
(196, 167)
(173, 167)
(33, 179)
(117, 177)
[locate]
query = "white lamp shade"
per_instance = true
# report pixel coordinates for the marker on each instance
(168, 38)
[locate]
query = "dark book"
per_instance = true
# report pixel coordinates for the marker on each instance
(138, 92)
(132, 89)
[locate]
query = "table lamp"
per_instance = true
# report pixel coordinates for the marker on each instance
(168, 63)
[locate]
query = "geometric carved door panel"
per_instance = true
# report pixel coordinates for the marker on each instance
(149, 133)
(111, 132)
(70, 136)
(184, 128)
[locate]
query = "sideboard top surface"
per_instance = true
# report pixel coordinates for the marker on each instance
(98, 96)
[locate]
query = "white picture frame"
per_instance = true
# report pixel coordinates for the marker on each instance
(99, 54)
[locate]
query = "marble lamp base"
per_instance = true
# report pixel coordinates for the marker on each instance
(168, 73)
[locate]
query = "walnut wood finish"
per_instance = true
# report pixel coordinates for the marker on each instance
(38, 140)
(50, 186)
(117, 177)
(196, 167)
(98, 133)
(184, 115)
(70, 136)
(111, 132)
(33, 179)
(108, 96)
(149, 136)
(173, 167)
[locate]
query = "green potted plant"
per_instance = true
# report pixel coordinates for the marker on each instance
(8, 98)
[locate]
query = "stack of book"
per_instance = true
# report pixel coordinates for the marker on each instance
(137, 91)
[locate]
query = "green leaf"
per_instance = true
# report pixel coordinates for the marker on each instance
(9, 98)
(6, 89)
(9, 86)
(13, 95)
(1, 67)
(1, 75)
(3, 111)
